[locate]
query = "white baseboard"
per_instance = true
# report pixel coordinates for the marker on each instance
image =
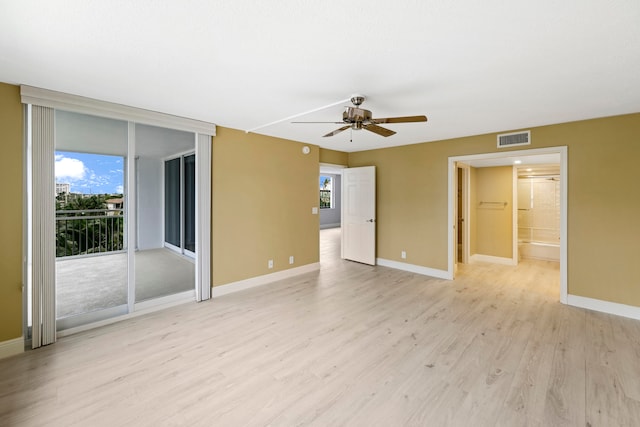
(335, 225)
(427, 271)
(604, 306)
(241, 285)
(492, 259)
(11, 347)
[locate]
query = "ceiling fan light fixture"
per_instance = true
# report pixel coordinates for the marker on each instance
(357, 118)
(357, 100)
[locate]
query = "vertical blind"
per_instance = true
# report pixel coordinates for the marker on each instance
(203, 217)
(43, 226)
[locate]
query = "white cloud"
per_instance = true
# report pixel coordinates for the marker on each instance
(69, 169)
(120, 189)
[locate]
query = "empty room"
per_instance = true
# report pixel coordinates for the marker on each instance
(239, 213)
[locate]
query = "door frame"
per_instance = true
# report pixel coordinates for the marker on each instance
(464, 184)
(203, 132)
(177, 249)
(452, 200)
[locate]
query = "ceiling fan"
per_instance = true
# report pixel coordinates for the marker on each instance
(358, 118)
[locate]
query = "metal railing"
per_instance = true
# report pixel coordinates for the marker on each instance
(325, 199)
(89, 231)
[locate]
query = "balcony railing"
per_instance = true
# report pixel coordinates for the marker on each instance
(325, 199)
(89, 231)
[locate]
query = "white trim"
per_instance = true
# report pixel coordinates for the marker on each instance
(492, 259)
(332, 165)
(80, 104)
(452, 240)
(332, 225)
(241, 285)
(562, 150)
(91, 317)
(618, 309)
(164, 302)
(11, 347)
(131, 213)
(330, 168)
(466, 205)
(564, 196)
(203, 216)
(418, 269)
(142, 308)
(514, 217)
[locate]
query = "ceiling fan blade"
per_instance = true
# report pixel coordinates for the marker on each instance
(379, 130)
(337, 131)
(406, 119)
(335, 123)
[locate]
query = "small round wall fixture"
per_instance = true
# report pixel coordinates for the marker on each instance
(306, 150)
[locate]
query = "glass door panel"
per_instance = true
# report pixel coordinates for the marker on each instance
(91, 243)
(172, 202)
(161, 268)
(189, 191)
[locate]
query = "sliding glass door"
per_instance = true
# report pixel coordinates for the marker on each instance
(90, 222)
(180, 204)
(173, 203)
(189, 189)
(100, 273)
(96, 247)
(162, 268)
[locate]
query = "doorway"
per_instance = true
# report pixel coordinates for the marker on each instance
(552, 155)
(330, 211)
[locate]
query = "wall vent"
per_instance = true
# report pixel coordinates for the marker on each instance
(514, 138)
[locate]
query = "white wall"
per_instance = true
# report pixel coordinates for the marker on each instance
(150, 207)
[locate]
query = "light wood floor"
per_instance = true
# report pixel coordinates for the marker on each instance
(349, 345)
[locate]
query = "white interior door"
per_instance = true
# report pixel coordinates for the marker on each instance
(359, 214)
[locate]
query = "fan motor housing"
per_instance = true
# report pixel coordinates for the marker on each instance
(356, 115)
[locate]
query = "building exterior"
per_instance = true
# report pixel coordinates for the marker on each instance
(63, 188)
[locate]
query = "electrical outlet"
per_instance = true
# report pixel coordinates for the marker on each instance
(291, 259)
(314, 210)
(403, 255)
(270, 264)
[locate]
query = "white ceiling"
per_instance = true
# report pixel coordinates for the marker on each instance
(98, 135)
(471, 66)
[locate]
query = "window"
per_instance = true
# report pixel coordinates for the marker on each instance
(326, 196)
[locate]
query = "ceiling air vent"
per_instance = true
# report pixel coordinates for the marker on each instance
(513, 139)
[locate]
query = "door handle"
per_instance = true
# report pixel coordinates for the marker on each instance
(371, 220)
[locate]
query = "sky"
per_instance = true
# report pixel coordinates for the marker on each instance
(90, 173)
(322, 178)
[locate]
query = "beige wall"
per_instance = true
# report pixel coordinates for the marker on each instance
(334, 157)
(11, 177)
(494, 221)
(264, 188)
(263, 192)
(603, 201)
